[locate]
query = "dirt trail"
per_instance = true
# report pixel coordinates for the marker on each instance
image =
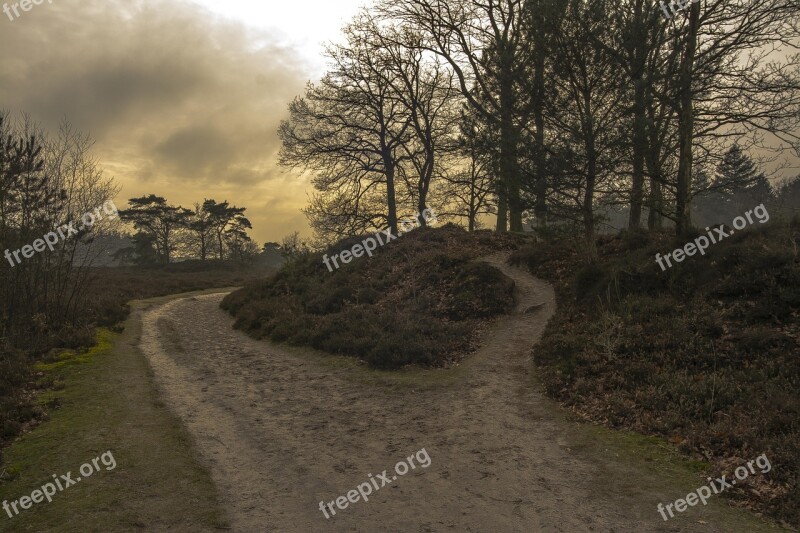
(281, 429)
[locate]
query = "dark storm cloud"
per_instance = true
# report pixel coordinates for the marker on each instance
(196, 150)
(177, 98)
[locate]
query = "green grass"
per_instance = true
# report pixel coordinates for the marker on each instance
(104, 342)
(102, 400)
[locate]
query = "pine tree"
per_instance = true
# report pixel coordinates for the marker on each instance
(153, 216)
(738, 173)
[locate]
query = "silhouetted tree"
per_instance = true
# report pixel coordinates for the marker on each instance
(484, 43)
(46, 181)
(201, 226)
(350, 131)
(153, 216)
(239, 243)
(221, 216)
(737, 173)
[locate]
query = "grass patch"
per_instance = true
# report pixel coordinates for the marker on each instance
(104, 341)
(103, 399)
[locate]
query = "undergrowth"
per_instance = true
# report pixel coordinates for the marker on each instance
(419, 301)
(706, 354)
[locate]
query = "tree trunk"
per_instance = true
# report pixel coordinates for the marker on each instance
(639, 35)
(391, 199)
(509, 141)
(588, 205)
(655, 202)
(424, 187)
(472, 196)
(639, 147)
(591, 176)
(655, 170)
(686, 125)
(502, 210)
(510, 176)
(538, 118)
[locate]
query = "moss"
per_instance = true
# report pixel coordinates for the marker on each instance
(104, 340)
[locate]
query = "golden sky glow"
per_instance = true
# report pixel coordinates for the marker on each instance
(184, 98)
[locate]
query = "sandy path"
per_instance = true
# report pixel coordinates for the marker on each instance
(282, 430)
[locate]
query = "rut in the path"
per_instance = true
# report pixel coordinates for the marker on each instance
(282, 430)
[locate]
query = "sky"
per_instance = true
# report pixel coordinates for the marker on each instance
(301, 25)
(183, 98)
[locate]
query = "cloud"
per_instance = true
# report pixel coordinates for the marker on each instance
(182, 102)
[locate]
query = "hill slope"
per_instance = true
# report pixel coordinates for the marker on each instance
(706, 354)
(420, 299)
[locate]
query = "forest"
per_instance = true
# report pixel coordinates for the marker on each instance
(515, 114)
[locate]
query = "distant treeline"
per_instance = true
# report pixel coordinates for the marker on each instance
(549, 112)
(164, 232)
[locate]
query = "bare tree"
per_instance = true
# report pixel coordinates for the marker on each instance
(45, 182)
(426, 89)
(468, 188)
(349, 132)
(586, 108)
(484, 43)
(746, 83)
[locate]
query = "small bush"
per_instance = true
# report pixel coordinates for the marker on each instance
(589, 279)
(635, 239)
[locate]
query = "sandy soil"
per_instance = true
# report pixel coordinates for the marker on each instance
(283, 429)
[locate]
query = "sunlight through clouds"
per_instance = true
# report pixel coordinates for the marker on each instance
(183, 97)
(303, 25)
